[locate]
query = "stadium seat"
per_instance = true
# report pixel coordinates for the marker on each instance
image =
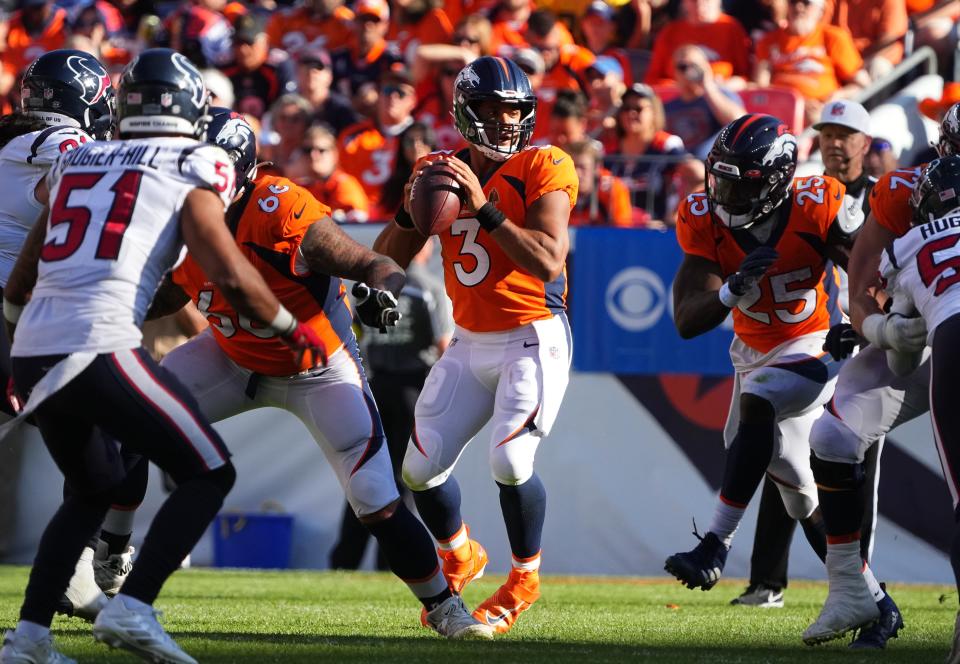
(782, 103)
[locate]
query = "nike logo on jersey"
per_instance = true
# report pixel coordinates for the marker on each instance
(297, 215)
(493, 621)
(557, 161)
(526, 345)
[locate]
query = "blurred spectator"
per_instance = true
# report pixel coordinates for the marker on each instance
(289, 119)
(418, 22)
(88, 20)
(314, 81)
(880, 158)
(508, 22)
(937, 28)
(688, 177)
(361, 64)
(564, 64)
(258, 80)
(567, 122)
(935, 110)
(37, 27)
(416, 141)
(637, 149)
(603, 199)
(470, 40)
(605, 78)
(323, 24)
(703, 107)
(220, 87)
(200, 32)
(435, 109)
(810, 57)
(368, 149)
(877, 27)
(721, 38)
(318, 169)
(600, 33)
(757, 17)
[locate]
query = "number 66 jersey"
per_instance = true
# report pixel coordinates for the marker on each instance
(112, 233)
(790, 300)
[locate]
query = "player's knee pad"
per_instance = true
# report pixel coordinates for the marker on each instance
(422, 465)
(831, 438)
(799, 503)
(513, 464)
(370, 490)
(837, 476)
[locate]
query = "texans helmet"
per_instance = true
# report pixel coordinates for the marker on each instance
(949, 143)
(750, 169)
(231, 132)
(69, 87)
(491, 78)
(938, 191)
(162, 92)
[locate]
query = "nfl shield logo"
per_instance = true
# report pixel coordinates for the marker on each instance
(166, 99)
(554, 353)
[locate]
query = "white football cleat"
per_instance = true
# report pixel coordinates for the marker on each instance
(136, 630)
(18, 649)
(84, 599)
(110, 571)
(850, 605)
(954, 656)
(452, 619)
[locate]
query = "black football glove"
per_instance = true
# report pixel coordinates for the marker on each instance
(376, 308)
(841, 340)
(756, 263)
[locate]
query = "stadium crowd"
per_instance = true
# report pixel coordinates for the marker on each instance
(345, 95)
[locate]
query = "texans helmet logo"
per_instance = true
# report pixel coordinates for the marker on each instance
(192, 81)
(91, 76)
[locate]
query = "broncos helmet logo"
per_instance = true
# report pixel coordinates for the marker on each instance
(91, 76)
(235, 134)
(785, 145)
(192, 78)
(467, 78)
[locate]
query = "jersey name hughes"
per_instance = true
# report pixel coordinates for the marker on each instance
(932, 228)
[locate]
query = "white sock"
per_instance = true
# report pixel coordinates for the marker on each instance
(132, 602)
(872, 583)
(726, 520)
(844, 558)
(33, 631)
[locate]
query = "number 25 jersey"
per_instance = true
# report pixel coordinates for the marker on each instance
(112, 233)
(491, 293)
(790, 300)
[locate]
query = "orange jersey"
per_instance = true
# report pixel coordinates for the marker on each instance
(23, 48)
(792, 300)
(890, 199)
(613, 204)
(295, 28)
(871, 22)
(489, 292)
(344, 195)
(725, 43)
(368, 155)
(434, 27)
(815, 65)
(273, 218)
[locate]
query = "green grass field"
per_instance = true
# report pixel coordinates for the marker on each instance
(240, 616)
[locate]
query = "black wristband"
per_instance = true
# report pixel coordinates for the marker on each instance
(490, 217)
(403, 219)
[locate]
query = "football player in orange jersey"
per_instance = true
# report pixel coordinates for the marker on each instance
(868, 402)
(756, 242)
(509, 359)
(234, 366)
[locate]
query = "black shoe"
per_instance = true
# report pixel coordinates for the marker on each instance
(761, 596)
(702, 567)
(875, 636)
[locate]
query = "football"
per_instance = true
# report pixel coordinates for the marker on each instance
(434, 200)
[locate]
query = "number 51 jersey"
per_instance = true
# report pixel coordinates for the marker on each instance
(790, 300)
(112, 233)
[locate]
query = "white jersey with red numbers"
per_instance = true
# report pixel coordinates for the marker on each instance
(24, 161)
(113, 232)
(923, 266)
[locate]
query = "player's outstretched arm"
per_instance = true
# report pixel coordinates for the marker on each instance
(327, 249)
(696, 302)
(866, 293)
(399, 244)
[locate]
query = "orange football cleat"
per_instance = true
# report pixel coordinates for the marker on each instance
(460, 572)
(514, 597)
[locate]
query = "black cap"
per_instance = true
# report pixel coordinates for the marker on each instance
(248, 27)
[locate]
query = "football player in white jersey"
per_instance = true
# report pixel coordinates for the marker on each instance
(66, 101)
(120, 213)
(921, 271)
(869, 401)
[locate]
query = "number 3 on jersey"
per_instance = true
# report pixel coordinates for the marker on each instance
(469, 228)
(77, 217)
